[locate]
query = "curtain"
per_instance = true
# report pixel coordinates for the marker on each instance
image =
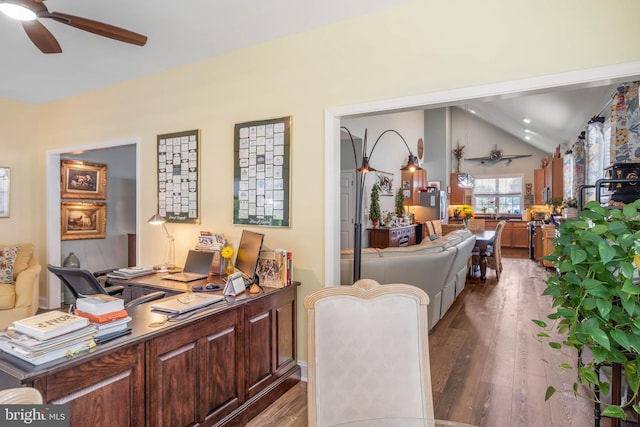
(625, 124)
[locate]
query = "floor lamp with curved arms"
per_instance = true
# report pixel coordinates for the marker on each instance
(361, 175)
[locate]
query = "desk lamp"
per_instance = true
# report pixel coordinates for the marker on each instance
(169, 258)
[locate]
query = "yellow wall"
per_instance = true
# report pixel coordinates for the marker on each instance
(419, 47)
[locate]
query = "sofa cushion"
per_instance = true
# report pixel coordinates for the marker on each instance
(23, 259)
(7, 261)
(7, 296)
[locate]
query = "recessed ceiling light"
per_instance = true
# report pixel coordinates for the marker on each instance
(472, 111)
(526, 120)
(527, 137)
(527, 131)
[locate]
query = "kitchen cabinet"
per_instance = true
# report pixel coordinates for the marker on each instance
(548, 239)
(514, 234)
(538, 186)
(520, 236)
(459, 196)
(553, 179)
(413, 182)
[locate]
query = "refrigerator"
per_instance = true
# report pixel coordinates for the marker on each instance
(434, 205)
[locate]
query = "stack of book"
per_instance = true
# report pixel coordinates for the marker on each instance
(130, 272)
(275, 268)
(49, 336)
(106, 313)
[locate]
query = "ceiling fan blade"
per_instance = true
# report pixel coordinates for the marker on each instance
(99, 28)
(41, 37)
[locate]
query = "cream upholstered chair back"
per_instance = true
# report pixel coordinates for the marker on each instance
(20, 396)
(368, 353)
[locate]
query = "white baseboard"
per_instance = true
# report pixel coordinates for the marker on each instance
(303, 371)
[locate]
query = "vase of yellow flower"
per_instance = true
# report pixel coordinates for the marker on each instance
(464, 212)
(227, 253)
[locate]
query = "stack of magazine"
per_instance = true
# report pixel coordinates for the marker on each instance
(49, 336)
(130, 272)
(106, 313)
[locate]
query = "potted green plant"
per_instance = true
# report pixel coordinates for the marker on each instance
(400, 203)
(596, 298)
(374, 206)
(570, 206)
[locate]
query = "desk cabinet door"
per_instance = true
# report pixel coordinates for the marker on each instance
(194, 372)
(271, 339)
(107, 390)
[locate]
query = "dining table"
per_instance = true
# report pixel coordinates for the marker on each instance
(480, 252)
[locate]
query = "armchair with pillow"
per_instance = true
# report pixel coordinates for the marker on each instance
(19, 287)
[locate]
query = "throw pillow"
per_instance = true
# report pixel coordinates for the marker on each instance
(7, 260)
(433, 237)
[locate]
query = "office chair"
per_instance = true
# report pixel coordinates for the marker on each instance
(82, 282)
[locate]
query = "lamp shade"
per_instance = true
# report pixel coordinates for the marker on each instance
(157, 220)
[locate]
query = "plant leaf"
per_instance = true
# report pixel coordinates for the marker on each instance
(540, 323)
(600, 337)
(614, 411)
(606, 252)
(604, 307)
(550, 391)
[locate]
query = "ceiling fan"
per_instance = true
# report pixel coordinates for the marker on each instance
(496, 155)
(30, 11)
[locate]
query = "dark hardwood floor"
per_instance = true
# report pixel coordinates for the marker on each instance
(487, 365)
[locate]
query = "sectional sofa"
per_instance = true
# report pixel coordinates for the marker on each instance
(439, 267)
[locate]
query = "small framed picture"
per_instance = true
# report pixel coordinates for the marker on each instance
(83, 220)
(384, 180)
(434, 184)
(82, 180)
(5, 186)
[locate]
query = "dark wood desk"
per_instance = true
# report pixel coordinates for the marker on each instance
(220, 367)
(483, 240)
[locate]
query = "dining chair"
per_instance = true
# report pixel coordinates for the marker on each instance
(368, 353)
(494, 256)
(476, 225)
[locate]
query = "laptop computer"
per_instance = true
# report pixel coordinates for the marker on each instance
(185, 302)
(196, 267)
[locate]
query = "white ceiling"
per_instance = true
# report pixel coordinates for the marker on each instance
(190, 30)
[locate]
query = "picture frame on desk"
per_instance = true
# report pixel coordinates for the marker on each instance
(83, 220)
(83, 180)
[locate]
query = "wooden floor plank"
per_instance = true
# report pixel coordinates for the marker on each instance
(487, 366)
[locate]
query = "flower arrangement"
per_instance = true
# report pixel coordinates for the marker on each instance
(227, 253)
(464, 211)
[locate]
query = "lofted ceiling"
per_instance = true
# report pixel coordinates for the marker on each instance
(556, 116)
(190, 30)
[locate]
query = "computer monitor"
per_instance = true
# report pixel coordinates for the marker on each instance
(248, 253)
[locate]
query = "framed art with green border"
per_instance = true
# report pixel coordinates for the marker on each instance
(261, 184)
(178, 177)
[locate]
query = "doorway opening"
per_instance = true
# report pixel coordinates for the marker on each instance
(455, 97)
(117, 213)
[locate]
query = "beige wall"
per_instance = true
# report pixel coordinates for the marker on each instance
(419, 47)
